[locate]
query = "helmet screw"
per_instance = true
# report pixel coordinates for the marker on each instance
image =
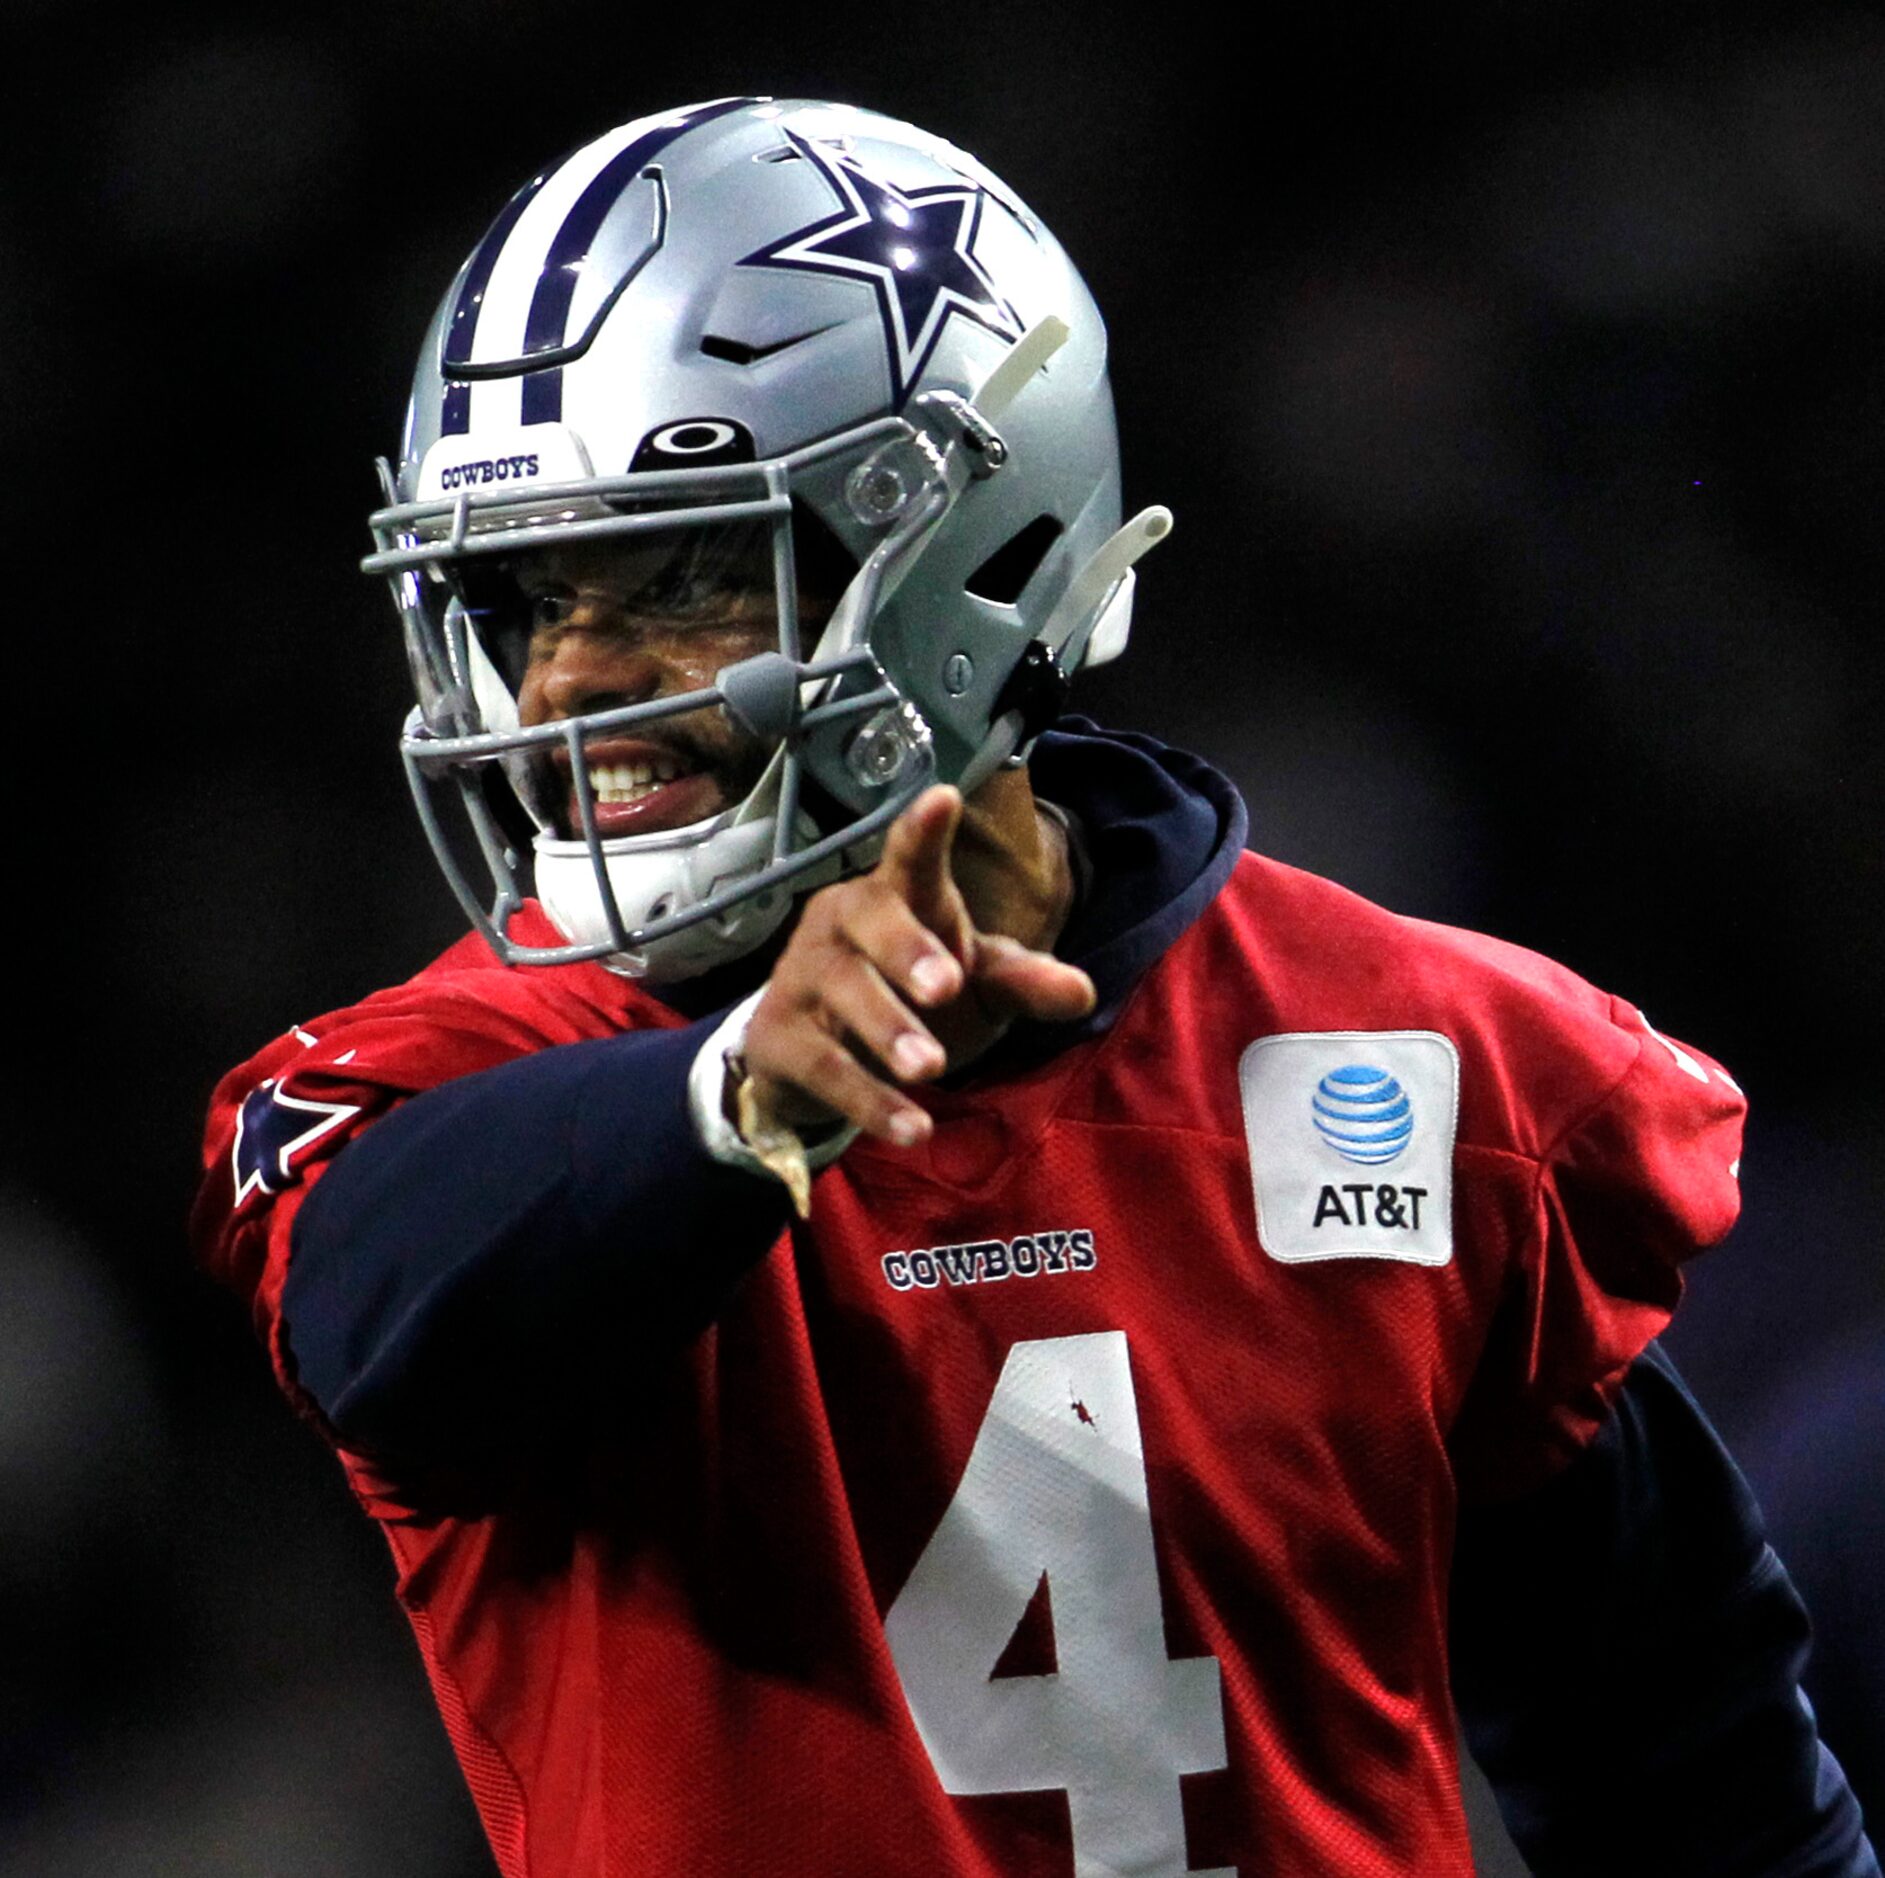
(876, 492)
(879, 751)
(958, 672)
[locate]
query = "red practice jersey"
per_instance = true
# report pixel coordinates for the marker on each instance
(1073, 1494)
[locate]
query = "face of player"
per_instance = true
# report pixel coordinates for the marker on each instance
(618, 623)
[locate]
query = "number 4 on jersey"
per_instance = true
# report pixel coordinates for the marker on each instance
(1055, 1484)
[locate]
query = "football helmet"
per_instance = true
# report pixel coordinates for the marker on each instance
(793, 326)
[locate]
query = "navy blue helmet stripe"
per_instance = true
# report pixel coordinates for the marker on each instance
(455, 418)
(543, 396)
(556, 282)
(556, 279)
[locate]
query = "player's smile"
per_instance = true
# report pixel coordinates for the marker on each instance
(642, 787)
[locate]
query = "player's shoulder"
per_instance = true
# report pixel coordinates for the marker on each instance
(1315, 938)
(1538, 1047)
(466, 1010)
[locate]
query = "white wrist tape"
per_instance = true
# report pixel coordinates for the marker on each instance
(707, 1102)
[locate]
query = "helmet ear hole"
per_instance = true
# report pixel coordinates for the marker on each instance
(1004, 576)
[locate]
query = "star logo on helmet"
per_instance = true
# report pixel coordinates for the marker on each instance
(914, 248)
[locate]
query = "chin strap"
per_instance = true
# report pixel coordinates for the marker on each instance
(1035, 694)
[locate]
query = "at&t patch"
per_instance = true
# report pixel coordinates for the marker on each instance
(1351, 1137)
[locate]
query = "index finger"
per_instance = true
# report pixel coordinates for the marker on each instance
(915, 864)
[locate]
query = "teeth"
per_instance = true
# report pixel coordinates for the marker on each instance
(629, 782)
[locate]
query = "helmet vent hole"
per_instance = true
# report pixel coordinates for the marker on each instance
(1006, 573)
(742, 352)
(784, 154)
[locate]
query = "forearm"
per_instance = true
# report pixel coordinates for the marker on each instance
(502, 1253)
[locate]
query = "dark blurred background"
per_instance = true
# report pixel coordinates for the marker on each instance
(1514, 370)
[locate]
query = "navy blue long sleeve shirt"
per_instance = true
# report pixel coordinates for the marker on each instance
(1626, 1647)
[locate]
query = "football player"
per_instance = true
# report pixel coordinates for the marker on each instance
(912, 1308)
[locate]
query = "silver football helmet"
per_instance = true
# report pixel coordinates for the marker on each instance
(748, 322)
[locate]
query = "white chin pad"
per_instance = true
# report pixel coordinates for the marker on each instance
(650, 883)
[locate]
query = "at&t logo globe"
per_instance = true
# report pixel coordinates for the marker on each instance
(1363, 1113)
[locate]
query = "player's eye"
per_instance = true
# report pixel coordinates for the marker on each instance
(703, 576)
(682, 590)
(551, 607)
